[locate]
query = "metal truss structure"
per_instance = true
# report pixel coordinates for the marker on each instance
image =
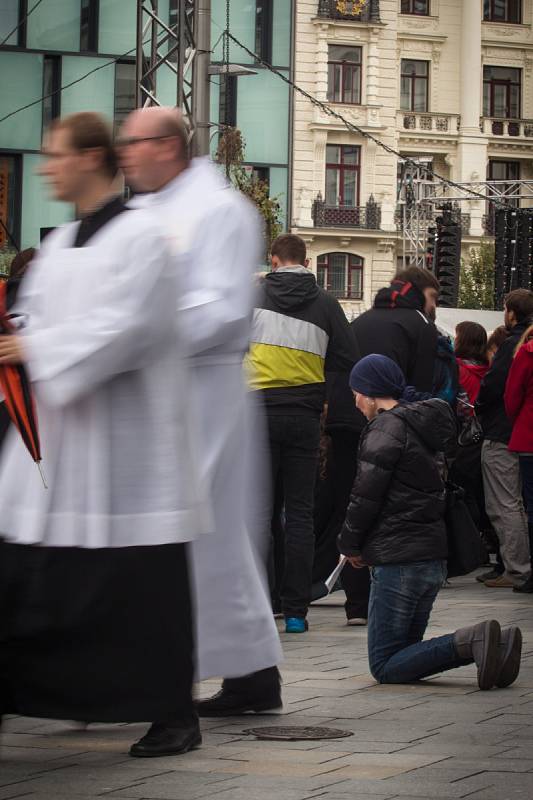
(174, 55)
(420, 202)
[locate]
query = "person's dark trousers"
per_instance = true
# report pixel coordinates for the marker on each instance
(294, 442)
(276, 562)
(401, 599)
(355, 582)
(526, 471)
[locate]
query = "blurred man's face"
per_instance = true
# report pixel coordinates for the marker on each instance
(64, 167)
(430, 305)
(143, 153)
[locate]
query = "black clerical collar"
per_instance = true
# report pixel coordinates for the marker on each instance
(92, 223)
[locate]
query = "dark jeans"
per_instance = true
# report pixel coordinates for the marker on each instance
(401, 599)
(526, 472)
(330, 512)
(293, 446)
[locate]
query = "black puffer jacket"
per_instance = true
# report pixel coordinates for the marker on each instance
(396, 507)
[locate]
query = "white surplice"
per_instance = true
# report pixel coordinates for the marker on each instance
(111, 392)
(215, 236)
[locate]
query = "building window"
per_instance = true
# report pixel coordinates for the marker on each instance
(414, 85)
(10, 197)
(344, 74)
(227, 107)
(419, 7)
(125, 90)
(263, 29)
(507, 172)
(89, 26)
(258, 174)
(502, 11)
(10, 16)
(341, 274)
(342, 175)
(51, 89)
(501, 92)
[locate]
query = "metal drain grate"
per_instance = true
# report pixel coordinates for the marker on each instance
(282, 733)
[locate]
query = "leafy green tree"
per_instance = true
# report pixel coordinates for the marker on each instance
(230, 153)
(476, 289)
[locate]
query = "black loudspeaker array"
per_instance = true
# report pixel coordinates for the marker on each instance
(447, 259)
(513, 262)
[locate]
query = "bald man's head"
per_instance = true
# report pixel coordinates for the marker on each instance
(153, 147)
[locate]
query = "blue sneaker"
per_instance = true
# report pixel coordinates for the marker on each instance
(296, 625)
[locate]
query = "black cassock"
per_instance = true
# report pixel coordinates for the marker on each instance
(102, 634)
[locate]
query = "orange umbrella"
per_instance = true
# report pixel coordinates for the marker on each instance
(18, 396)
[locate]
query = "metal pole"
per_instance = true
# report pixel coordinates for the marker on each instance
(201, 84)
(139, 61)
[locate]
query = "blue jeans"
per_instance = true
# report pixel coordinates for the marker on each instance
(401, 599)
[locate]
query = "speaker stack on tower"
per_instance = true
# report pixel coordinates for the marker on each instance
(513, 262)
(447, 259)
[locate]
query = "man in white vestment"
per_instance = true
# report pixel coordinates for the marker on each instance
(215, 237)
(95, 619)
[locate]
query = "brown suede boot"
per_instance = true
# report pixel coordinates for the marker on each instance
(481, 644)
(510, 655)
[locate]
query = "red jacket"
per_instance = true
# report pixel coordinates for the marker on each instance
(519, 399)
(470, 376)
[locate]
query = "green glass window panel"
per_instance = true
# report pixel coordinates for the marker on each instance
(278, 189)
(281, 33)
(263, 117)
(167, 90)
(25, 84)
(117, 22)
(55, 25)
(95, 92)
(9, 17)
(38, 209)
(125, 91)
(242, 26)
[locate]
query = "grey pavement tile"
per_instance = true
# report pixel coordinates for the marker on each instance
(439, 739)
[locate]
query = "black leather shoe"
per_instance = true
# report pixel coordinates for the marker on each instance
(260, 691)
(167, 740)
(525, 588)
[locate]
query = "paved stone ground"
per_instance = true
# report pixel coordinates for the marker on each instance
(439, 739)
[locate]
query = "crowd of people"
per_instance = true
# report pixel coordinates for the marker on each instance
(215, 440)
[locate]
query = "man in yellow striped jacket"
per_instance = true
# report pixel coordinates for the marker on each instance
(299, 332)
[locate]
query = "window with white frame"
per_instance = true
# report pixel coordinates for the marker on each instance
(344, 74)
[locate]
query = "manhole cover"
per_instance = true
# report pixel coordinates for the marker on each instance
(294, 734)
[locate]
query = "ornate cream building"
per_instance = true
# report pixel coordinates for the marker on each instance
(445, 82)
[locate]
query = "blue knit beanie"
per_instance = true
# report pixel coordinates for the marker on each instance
(378, 376)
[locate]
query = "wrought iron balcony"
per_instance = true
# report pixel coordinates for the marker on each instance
(428, 122)
(329, 9)
(367, 217)
(518, 128)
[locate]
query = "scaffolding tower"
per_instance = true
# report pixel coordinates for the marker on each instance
(172, 60)
(420, 202)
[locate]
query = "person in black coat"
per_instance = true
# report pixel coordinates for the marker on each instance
(395, 524)
(399, 326)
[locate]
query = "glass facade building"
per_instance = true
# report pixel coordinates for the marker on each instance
(78, 55)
